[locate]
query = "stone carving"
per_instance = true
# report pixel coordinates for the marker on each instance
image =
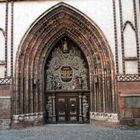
(59, 85)
(49, 107)
(110, 117)
(27, 117)
(85, 108)
(78, 82)
(53, 83)
(67, 68)
(65, 46)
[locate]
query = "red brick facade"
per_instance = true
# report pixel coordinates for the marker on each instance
(111, 95)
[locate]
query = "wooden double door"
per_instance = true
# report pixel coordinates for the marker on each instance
(67, 109)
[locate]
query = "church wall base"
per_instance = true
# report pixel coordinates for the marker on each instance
(95, 123)
(104, 119)
(27, 120)
(130, 122)
(5, 106)
(5, 123)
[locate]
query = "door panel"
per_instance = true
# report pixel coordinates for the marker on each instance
(67, 109)
(73, 108)
(61, 109)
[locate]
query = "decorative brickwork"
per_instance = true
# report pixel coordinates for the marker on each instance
(110, 117)
(137, 35)
(6, 36)
(12, 27)
(122, 36)
(5, 81)
(128, 78)
(115, 36)
(3, 32)
(134, 26)
(60, 21)
(28, 117)
(130, 23)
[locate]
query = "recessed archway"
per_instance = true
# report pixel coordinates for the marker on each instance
(66, 84)
(62, 20)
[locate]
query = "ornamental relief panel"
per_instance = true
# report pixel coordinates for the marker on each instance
(66, 68)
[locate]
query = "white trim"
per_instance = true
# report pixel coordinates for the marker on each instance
(129, 95)
(5, 97)
(101, 116)
(27, 117)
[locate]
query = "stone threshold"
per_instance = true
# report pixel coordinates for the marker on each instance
(63, 125)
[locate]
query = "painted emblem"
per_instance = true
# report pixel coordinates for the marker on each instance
(66, 73)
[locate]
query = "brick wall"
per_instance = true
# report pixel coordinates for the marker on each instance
(129, 103)
(5, 106)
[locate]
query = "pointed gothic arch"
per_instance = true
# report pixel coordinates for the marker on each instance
(62, 20)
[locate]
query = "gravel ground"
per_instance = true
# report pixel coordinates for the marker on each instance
(70, 132)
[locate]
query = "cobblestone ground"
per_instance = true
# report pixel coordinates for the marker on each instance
(69, 132)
